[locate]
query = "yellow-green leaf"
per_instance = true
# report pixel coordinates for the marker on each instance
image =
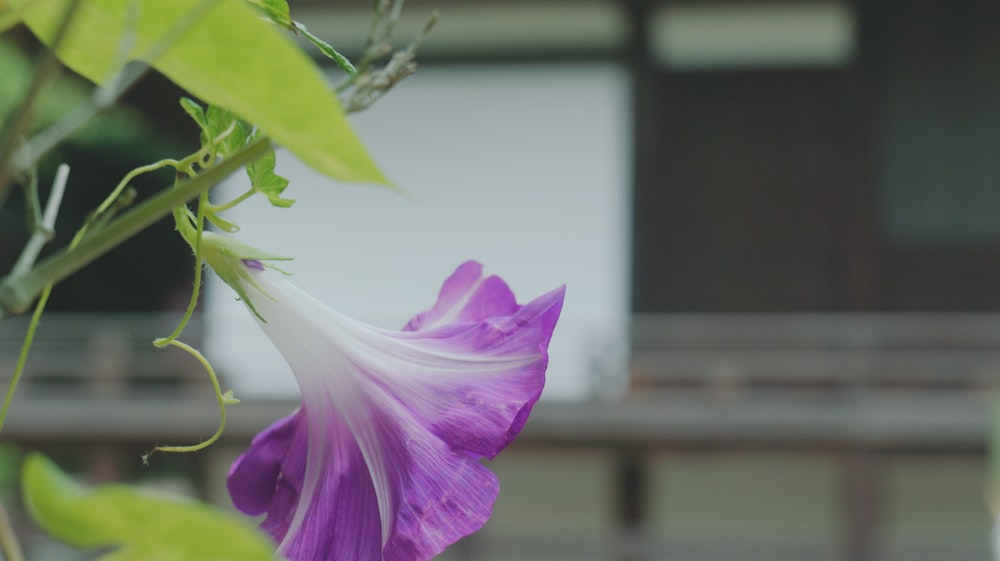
(140, 525)
(8, 17)
(223, 52)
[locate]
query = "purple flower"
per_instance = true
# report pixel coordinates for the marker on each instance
(382, 460)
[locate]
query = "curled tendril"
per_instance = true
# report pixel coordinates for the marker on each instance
(223, 399)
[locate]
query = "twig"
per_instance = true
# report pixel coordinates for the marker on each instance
(43, 232)
(370, 86)
(364, 87)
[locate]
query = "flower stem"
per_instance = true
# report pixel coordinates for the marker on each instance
(18, 291)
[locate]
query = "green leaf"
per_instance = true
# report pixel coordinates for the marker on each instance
(139, 524)
(277, 10)
(270, 184)
(227, 129)
(196, 112)
(326, 48)
(220, 128)
(221, 223)
(222, 52)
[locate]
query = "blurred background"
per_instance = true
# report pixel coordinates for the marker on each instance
(777, 222)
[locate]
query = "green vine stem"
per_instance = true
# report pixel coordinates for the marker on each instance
(9, 546)
(17, 292)
(180, 218)
(223, 400)
(110, 199)
(22, 359)
(226, 206)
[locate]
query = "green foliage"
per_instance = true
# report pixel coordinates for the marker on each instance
(325, 48)
(278, 12)
(223, 134)
(196, 112)
(270, 184)
(224, 53)
(227, 131)
(142, 526)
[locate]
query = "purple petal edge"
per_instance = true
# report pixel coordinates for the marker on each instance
(466, 297)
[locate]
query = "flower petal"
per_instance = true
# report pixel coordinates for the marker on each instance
(466, 297)
(254, 476)
(448, 495)
(337, 517)
(268, 477)
(475, 387)
(381, 462)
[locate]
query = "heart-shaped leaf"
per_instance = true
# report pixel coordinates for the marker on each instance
(138, 524)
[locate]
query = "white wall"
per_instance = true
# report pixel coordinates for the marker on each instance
(524, 168)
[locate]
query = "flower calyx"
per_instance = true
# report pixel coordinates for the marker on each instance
(235, 262)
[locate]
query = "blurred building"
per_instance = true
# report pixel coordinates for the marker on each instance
(785, 209)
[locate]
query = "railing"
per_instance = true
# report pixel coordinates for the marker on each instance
(823, 354)
(858, 391)
(100, 355)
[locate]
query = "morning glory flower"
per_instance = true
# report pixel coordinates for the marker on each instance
(382, 460)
